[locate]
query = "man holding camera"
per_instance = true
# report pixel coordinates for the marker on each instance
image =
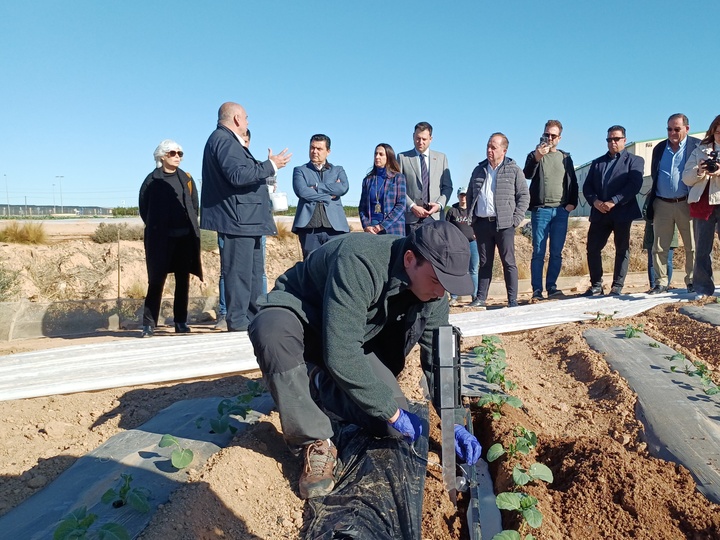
(428, 183)
(667, 205)
(553, 195)
(611, 185)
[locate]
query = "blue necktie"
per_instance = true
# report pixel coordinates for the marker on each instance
(425, 177)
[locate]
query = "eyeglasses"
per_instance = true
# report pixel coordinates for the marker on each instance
(551, 136)
(676, 130)
(173, 153)
(614, 139)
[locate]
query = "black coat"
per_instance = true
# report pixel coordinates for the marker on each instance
(160, 208)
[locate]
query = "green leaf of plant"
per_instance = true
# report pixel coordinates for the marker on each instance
(233, 429)
(712, 390)
(496, 416)
(522, 446)
(508, 501)
(109, 496)
(507, 535)
(514, 402)
(520, 476)
(529, 536)
(168, 440)
(527, 501)
(533, 516)
(538, 471)
(495, 451)
(137, 500)
(219, 424)
(113, 531)
(68, 529)
(181, 458)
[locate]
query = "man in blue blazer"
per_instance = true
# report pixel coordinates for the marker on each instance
(236, 204)
(611, 185)
(319, 185)
(428, 185)
(666, 206)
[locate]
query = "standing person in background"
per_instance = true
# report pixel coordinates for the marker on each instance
(382, 198)
(459, 215)
(499, 197)
(221, 323)
(648, 241)
(667, 206)
(168, 204)
(611, 185)
(553, 195)
(319, 186)
(236, 204)
(427, 178)
(702, 174)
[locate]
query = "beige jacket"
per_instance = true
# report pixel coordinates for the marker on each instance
(697, 183)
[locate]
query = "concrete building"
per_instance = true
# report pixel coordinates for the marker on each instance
(640, 148)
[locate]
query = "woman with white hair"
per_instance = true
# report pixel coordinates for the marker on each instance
(169, 208)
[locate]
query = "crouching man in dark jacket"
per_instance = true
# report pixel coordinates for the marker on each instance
(342, 322)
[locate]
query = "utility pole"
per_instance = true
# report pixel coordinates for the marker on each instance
(62, 208)
(53, 198)
(7, 195)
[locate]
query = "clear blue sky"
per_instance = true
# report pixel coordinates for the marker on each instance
(88, 88)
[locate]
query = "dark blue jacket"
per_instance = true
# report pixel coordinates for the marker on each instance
(624, 184)
(234, 197)
(690, 145)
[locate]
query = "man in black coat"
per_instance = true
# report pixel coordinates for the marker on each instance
(612, 183)
(235, 203)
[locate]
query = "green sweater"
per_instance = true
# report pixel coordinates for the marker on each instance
(341, 290)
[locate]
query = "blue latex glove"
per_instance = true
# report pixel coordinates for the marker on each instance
(466, 445)
(409, 426)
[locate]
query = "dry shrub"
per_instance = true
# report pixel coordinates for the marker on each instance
(284, 233)
(9, 284)
(107, 233)
(61, 278)
(208, 240)
(136, 290)
(28, 233)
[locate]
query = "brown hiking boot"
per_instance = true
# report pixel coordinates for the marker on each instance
(318, 476)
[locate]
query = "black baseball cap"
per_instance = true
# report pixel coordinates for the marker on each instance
(448, 250)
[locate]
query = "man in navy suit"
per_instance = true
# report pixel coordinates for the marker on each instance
(236, 204)
(667, 205)
(611, 185)
(319, 185)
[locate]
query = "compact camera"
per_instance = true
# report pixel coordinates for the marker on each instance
(545, 140)
(711, 163)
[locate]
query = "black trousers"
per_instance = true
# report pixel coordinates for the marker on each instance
(178, 249)
(488, 237)
(290, 354)
(598, 235)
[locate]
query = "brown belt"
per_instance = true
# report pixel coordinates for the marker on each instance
(678, 199)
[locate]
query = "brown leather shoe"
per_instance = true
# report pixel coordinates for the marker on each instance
(318, 476)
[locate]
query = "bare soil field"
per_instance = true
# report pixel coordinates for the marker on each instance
(605, 483)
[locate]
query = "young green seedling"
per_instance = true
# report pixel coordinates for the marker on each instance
(136, 497)
(76, 526)
(700, 369)
(180, 457)
(235, 407)
(633, 330)
(525, 440)
(526, 505)
(496, 401)
(654, 344)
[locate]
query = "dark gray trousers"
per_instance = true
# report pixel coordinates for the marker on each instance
(488, 236)
(288, 353)
(242, 264)
(705, 231)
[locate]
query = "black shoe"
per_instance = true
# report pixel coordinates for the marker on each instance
(594, 290)
(658, 289)
(512, 303)
(182, 328)
(554, 291)
(615, 290)
(690, 288)
(477, 304)
(537, 295)
(221, 323)
(147, 331)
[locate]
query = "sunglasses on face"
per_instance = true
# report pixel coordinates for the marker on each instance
(550, 135)
(173, 153)
(614, 139)
(676, 130)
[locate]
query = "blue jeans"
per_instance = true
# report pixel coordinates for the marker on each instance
(651, 266)
(222, 308)
(552, 224)
(474, 263)
(705, 231)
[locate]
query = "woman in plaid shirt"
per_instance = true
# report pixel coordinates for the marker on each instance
(382, 201)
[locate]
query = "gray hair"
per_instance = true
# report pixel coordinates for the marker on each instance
(162, 149)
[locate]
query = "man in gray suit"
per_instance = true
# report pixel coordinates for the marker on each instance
(319, 185)
(428, 183)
